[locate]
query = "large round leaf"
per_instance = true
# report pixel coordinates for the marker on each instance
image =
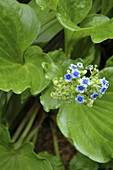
(91, 129)
(20, 66)
(18, 77)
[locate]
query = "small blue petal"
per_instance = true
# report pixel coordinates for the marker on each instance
(80, 88)
(68, 77)
(102, 90)
(73, 67)
(79, 64)
(80, 99)
(104, 82)
(95, 95)
(85, 81)
(76, 73)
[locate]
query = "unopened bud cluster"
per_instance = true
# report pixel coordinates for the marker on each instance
(77, 86)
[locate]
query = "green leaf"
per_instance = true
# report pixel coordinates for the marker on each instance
(48, 31)
(102, 27)
(97, 57)
(58, 56)
(49, 24)
(18, 77)
(70, 13)
(47, 101)
(96, 6)
(106, 6)
(53, 70)
(85, 49)
(20, 66)
(108, 74)
(52, 4)
(82, 162)
(17, 31)
(94, 20)
(43, 3)
(91, 129)
(3, 99)
(22, 158)
(89, 27)
(54, 160)
(103, 32)
(109, 62)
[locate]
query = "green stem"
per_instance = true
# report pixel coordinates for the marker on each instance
(35, 131)
(23, 135)
(23, 123)
(36, 134)
(55, 141)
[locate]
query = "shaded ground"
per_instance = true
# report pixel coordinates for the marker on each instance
(45, 143)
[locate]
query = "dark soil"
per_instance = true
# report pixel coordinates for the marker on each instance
(45, 142)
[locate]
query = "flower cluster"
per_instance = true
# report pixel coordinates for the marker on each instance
(77, 86)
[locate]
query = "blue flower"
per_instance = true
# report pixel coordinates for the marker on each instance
(104, 82)
(102, 89)
(85, 81)
(95, 95)
(73, 67)
(68, 77)
(79, 64)
(80, 88)
(80, 99)
(76, 73)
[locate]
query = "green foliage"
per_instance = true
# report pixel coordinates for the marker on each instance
(81, 162)
(109, 62)
(71, 12)
(20, 69)
(52, 4)
(47, 101)
(54, 160)
(49, 24)
(106, 6)
(25, 69)
(89, 128)
(22, 158)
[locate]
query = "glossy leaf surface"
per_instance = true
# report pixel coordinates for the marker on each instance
(71, 12)
(19, 159)
(49, 24)
(52, 4)
(91, 128)
(82, 162)
(47, 101)
(20, 66)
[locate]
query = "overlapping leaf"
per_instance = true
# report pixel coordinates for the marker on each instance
(91, 129)
(106, 6)
(70, 13)
(47, 101)
(19, 159)
(49, 24)
(52, 4)
(95, 25)
(20, 66)
(82, 162)
(54, 160)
